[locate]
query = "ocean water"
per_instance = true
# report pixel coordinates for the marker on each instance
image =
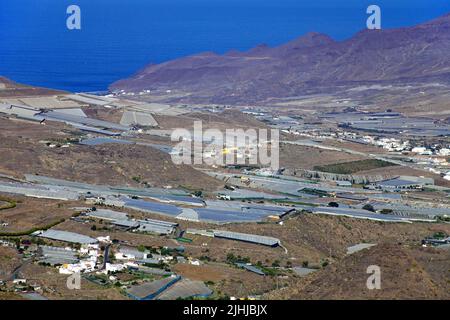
(119, 37)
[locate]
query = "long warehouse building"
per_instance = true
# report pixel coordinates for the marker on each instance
(267, 241)
(67, 237)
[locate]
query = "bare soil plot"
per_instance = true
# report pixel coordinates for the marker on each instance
(355, 146)
(101, 113)
(103, 164)
(31, 213)
(10, 296)
(54, 285)
(406, 273)
(230, 119)
(9, 89)
(9, 260)
(314, 238)
(227, 280)
(303, 157)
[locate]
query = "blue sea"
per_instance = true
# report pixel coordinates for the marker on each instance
(119, 37)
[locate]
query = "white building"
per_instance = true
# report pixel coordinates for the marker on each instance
(114, 267)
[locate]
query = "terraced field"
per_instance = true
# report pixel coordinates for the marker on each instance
(353, 166)
(6, 203)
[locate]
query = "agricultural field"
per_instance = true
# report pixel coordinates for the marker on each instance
(353, 166)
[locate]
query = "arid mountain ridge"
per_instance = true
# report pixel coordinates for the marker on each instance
(313, 63)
